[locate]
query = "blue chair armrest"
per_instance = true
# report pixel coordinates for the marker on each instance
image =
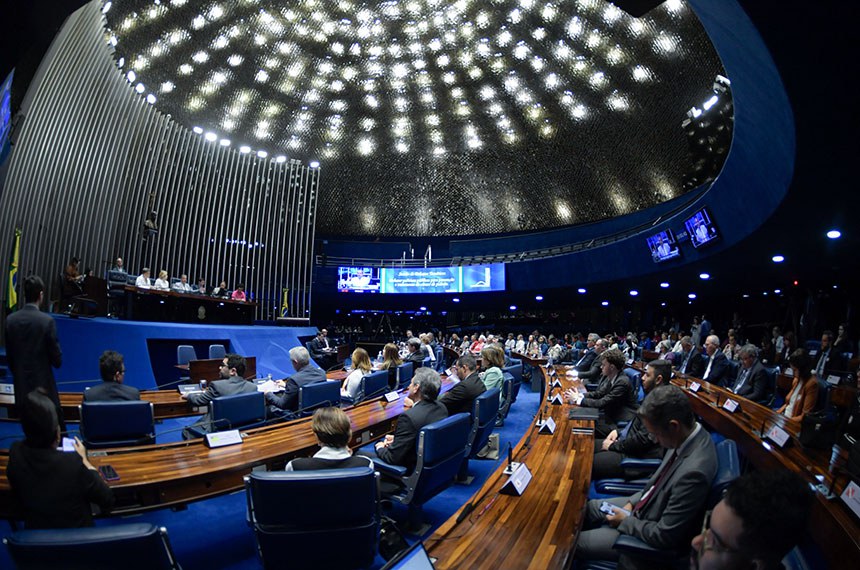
(631, 545)
(591, 387)
(636, 463)
(619, 487)
(388, 469)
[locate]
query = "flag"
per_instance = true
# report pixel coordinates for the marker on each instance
(12, 296)
(285, 308)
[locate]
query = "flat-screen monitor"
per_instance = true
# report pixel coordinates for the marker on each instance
(5, 114)
(413, 558)
(701, 228)
(358, 279)
(663, 246)
(468, 279)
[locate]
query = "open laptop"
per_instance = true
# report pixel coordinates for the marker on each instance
(413, 558)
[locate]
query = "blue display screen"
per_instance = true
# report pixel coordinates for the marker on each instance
(469, 279)
(663, 246)
(701, 228)
(358, 279)
(5, 114)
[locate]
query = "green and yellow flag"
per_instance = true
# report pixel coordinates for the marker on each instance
(285, 306)
(12, 296)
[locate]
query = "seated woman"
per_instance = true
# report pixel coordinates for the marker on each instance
(803, 395)
(665, 349)
(520, 346)
(54, 489)
(239, 293)
(221, 290)
(492, 361)
(331, 426)
(732, 349)
(163, 281)
(390, 361)
(478, 345)
(360, 366)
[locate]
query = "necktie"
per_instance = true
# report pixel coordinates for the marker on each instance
(819, 370)
(708, 370)
(741, 380)
(686, 360)
(664, 474)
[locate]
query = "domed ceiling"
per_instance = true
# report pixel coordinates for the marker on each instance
(431, 118)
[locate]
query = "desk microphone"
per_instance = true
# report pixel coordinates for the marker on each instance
(510, 457)
(465, 512)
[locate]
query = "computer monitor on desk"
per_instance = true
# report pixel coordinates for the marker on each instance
(413, 558)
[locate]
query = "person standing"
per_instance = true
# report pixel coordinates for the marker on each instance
(32, 347)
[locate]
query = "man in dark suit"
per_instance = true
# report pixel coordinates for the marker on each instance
(752, 382)
(112, 370)
(305, 374)
(614, 396)
(716, 364)
(399, 449)
(321, 349)
(32, 348)
(593, 371)
(668, 512)
(416, 354)
(460, 398)
(688, 361)
(828, 360)
(588, 357)
(233, 382)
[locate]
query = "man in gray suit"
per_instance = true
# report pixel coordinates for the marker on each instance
(233, 382)
(668, 513)
(305, 374)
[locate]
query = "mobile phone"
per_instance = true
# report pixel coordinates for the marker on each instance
(108, 473)
(607, 508)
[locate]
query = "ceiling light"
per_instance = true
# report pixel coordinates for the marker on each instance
(605, 303)
(513, 307)
(691, 296)
(580, 290)
(664, 285)
(633, 292)
(778, 258)
(456, 299)
(538, 297)
(704, 276)
(834, 234)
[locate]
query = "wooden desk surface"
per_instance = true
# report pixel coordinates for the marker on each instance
(533, 361)
(158, 476)
(538, 529)
(831, 525)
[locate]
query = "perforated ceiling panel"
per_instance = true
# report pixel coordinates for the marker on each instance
(430, 117)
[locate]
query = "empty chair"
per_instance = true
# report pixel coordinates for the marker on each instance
(116, 291)
(217, 351)
(246, 410)
(117, 424)
(440, 359)
(635, 378)
(507, 392)
(427, 363)
(184, 354)
(294, 530)
(318, 395)
(485, 410)
(441, 448)
(734, 368)
(516, 370)
(404, 374)
(130, 546)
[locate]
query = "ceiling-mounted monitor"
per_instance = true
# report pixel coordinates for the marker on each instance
(663, 246)
(701, 229)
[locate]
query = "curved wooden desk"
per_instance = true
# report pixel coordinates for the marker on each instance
(538, 529)
(833, 528)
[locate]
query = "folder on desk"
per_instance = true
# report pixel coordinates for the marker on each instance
(583, 414)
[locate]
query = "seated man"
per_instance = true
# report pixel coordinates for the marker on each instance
(590, 355)
(667, 514)
(333, 431)
(752, 381)
(53, 489)
(112, 370)
(118, 265)
(201, 286)
(634, 440)
(305, 374)
(322, 351)
(827, 361)
(688, 361)
(142, 281)
(593, 373)
(399, 449)
(232, 382)
(762, 516)
(182, 286)
(614, 396)
(716, 363)
(416, 354)
(460, 397)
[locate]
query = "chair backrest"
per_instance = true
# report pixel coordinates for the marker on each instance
(485, 410)
(404, 374)
(734, 367)
(117, 278)
(441, 448)
(772, 373)
(238, 410)
(507, 394)
(217, 351)
(427, 363)
(635, 378)
(813, 345)
(515, 369)
(131, 546)
(372, 385)
(728, 469)
(117, 424)
(185, 353)
(440, 358)
(823, 401)
(294, 531)
(319, 395)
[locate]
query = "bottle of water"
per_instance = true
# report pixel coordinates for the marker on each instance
(379, 357)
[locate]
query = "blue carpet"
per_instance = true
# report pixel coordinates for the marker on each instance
(213, 534)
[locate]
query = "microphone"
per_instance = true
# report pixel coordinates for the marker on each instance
(510, 457)
(465, 512)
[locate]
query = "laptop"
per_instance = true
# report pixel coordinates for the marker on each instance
(413, 558)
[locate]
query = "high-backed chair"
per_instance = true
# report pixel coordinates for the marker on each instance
(372, 385)
(404, 374)
(770, 397)
(427, 363)
(734, 368)
(134, 546)
(318, 395)
(485, 410)
(440, 359)
(507, 393)
(217, 351)
(516, 370)
(185, 353)
(116, 291)
(635, 378)
(246, 410)
(315, 519)
(117, 424)
(441, 447)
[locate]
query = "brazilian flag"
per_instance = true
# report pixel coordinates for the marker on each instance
(12, 296)
(285, 306)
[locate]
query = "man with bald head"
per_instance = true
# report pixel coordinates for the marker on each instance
(716, 363)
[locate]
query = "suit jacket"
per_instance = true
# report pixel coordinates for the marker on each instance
(587, 359)
(693, 360)
(233, 385)
(805, 402)
(674, 514)
(402, 449)
(111, 392)
(317, 347)
(616, 398)
(755, 386)
(289, 400)
(459, 398)
(417, 357)
(719, 368)
(833, 362)
(33, 351)
(593, 371)
(637, 442)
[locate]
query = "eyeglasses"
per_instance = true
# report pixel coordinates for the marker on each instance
(710, 539)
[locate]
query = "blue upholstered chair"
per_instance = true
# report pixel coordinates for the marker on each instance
(372, 385)
(770, 397)
(441, 448)
(116, 424)
(734, 368)
(217, 351)
(129, 546)
(246, 410)
(440, 359)
(516, 370)
(404, 374)
(485, 410)
(315, 519)
(507, 393)
(318, 395)
(427, 363)
(635, 378)
(185, 353)
(116, 291)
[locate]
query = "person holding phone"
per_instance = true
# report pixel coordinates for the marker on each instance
(52, 488)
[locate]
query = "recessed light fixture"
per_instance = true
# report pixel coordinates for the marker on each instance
(746, 295)
(422, 308)
(605, 303)
(662, 304)
(691, 295)
(456, 299)
(314, 164)
(580, 290)
(778, 258)
(664, 285)
(633, 292)
(834, 234)
(704, 276)
(777, 291)
(538, 297)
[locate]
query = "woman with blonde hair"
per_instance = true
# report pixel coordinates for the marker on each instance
(333, 431)
(163, 281)
(360, 366)
(492, 361)
(390, 361)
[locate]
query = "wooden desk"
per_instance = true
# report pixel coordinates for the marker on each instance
(831, 525)
(170, 306)
(159, 476)
(534, 361)
(539, 529)
(210, 369)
